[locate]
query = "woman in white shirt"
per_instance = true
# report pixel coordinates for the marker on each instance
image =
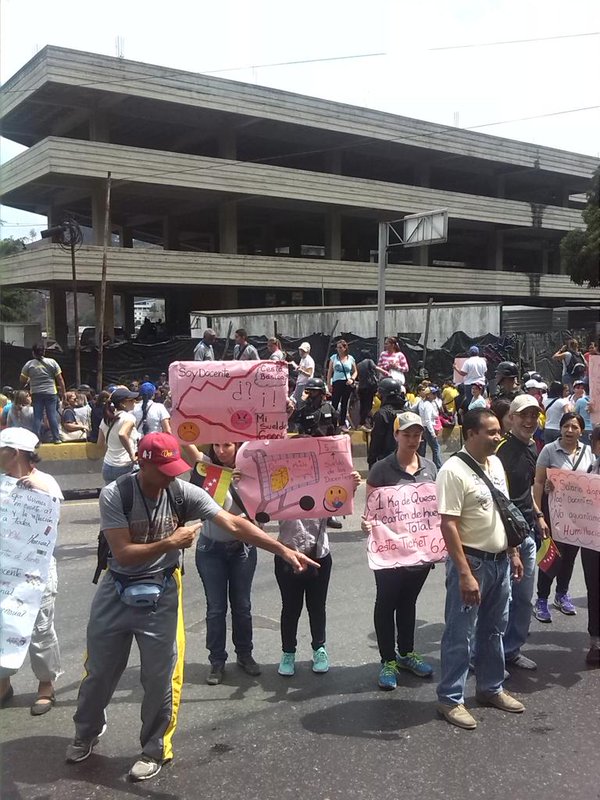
(118, 433)
(555, 405)
(275, 350)
(150, 416)
(305, 370)
(477, 398)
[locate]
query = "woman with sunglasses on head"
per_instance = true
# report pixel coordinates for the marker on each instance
(118, 432)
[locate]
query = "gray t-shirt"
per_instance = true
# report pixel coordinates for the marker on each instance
(388, 472)
(42, 374)
(552, 455)
(198, 506)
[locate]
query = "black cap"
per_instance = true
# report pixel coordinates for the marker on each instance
(121, 394)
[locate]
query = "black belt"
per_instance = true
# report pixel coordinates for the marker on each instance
(483, 555)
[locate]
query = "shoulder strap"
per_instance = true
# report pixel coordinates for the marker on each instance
(581, 455)
(177, 501)
(238, 500)
(470, 462)
(549, 406)
(125, 487)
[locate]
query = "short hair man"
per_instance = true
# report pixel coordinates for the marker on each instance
(243, 350)
(204, 349)
(145, 553)
(478, 572)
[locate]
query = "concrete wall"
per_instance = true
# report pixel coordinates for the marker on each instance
(446, 319)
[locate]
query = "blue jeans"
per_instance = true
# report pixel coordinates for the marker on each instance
(110, 473)
(49, 404)
(486, 623)
(226, 568)
(519, 612)
(436, 451)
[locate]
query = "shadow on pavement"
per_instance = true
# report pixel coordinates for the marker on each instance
(370, 719)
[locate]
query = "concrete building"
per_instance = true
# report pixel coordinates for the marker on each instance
(262, 197)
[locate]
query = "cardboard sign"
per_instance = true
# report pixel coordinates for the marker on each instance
(405, 526)
(28, 526)
(594, 394)
(228, 401)
(296, 478)
(458, 364)
(575, 507)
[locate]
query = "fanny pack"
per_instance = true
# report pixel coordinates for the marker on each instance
(141, 591)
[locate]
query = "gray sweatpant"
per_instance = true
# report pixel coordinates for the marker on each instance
(44, 652)
(160, 638)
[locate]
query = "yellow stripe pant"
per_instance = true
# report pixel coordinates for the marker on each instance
(161, 641)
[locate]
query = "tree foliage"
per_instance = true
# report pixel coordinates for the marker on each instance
(580, 249)
(14, 303)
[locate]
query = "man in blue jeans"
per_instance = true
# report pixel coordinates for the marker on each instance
(518, 454)
(478, 573)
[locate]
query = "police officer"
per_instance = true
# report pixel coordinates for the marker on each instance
(393, 400)
(507, 381)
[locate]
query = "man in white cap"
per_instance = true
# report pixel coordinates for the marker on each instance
(18, 461)
(305, 370)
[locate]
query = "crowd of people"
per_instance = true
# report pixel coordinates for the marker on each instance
(513, 433)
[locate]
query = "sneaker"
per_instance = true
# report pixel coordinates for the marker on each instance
(457, 715)
(249, 665)
(503, 700)
(414, 663)
(521, 661)
(333, 522)
(541, 611)
(388, 676)
(80, 749)
(216, 674)
(287, 665)
(320, 660)
(144, 769)
(564, 604)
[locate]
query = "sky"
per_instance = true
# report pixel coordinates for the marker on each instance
(446, 61)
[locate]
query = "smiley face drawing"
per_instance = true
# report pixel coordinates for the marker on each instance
(188, 431)
(334, 499)
(241, 420)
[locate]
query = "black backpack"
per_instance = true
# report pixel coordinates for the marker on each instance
(576, 359)
(125, 486)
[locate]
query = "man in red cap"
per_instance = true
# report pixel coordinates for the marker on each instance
(140, 596)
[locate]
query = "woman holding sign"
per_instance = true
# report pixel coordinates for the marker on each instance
(398, 587)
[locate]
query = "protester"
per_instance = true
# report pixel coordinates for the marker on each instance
(477, 398)
(555, 405)
(118, 433)
(275, 350)
(570, 453)
(368, 377)
(473, 370)
(591, 351)
(18, 459)
(590, 560)
(478, 572)
(46, 386)
(226, 567)
(97, 415)
(507, 381)
(150, 416)
(570, 356)
(582, 407)
(304, 371)
(501, 407)
(382, 441)
(341, 378)
(449, 395)
(72, 429)
(398, 588)
(140, 595)
(393, 361)
(243, 350)
(427, 411)
(9, 393)
(20, 414)
(204, 349)
(518, 454)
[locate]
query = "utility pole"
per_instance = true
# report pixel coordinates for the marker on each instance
(100, 322)
(382, 249)
(72, 241)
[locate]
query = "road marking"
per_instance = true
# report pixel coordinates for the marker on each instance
(73, 503)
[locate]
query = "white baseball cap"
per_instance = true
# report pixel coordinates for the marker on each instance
(406, 420)
(305, 346)
(522, 402)
(19, 439)
(533, 384)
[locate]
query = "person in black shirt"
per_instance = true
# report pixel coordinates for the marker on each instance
(518, 454)
(393, 400)
(368, 378)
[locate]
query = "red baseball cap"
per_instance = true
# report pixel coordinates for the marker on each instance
(162, 450)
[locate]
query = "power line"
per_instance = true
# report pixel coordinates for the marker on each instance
(535, 116)
(514, 41)
(292, 63)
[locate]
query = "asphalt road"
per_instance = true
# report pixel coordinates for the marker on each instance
(313, 736)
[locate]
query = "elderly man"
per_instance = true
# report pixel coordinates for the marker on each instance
(204, 349)
(478, 572)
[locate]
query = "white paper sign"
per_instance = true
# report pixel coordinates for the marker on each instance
(28, 527)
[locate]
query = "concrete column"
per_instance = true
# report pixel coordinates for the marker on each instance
(423, 255)
(109, 311)
(98, 128)
(170, 234)
(495, 251)
(98, 213)
(228, 229)
(126, 236)
(57, 316)
(178, 305)
(227, 144)
(127, 302)
(333, 235)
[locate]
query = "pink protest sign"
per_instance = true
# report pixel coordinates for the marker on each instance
(594, 379)
(458, 364)
(574, 506)
(296, 478)
(228, 401)
(405, 526)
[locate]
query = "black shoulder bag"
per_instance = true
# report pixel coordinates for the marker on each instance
(515, 524)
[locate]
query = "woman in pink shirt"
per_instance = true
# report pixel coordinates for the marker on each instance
(393, 360)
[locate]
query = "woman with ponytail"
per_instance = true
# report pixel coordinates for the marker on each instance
(150, 416)
(21, 412)
(118, 432)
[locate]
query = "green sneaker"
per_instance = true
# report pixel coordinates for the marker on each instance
(287, 665)
(388, 676)
(414, 663)
(320, 660)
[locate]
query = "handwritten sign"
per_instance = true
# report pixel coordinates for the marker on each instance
(405, 526)
(458, 365)
(28, 525)
(296, 478)
(575, 508)
(594, 379)
(228, 401)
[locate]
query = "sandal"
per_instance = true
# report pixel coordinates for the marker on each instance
(39, 707)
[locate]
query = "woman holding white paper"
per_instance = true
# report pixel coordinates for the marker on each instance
(398, 588)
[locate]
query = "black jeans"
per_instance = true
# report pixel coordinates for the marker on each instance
(568, 554)
(591, 572)
(365, 397)
(294, 587)
(396, 608)
(340, 396)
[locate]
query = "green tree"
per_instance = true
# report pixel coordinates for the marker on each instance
(580, 249)
(14, 303)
